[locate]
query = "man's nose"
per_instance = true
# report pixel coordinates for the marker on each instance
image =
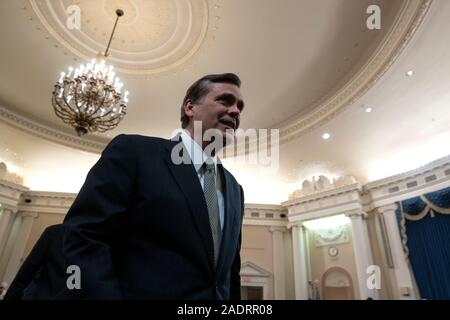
(234, 110)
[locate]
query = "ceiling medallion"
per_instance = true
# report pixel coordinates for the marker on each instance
(156, 36)
(89, 98)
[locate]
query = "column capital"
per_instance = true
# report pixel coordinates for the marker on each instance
(26, 214)
(9, 208)
(277, 229)
(390, 208)
(295, 224)
(356, 215)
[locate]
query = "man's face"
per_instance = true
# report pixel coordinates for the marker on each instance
(220, 109)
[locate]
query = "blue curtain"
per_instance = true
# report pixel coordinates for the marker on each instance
(426, 229)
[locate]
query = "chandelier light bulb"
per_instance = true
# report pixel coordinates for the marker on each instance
(70, 72)
(62, 77)
(116, 81)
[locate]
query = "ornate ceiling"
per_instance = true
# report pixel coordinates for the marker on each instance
(307, 66)
(301, 63)
(153, 36)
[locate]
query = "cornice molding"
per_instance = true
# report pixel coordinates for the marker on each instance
(42, 131)
(10, 185)
(434, 165)
(402, 31)
(324, 194)
(10, 195)
(46, 202)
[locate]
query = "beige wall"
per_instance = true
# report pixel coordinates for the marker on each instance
(321, 261)
(257, 248)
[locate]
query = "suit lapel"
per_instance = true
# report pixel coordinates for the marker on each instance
(230, 217)
(187, 179)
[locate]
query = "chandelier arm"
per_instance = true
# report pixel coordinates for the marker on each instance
(99, 106)
(83, 104)
(58, 107)
(64, 97)
(76, 96)
(111, 122)
(62, 113)
(108, 122)
(90, 100)
(103, 101)
(104, 115)
(66, 104)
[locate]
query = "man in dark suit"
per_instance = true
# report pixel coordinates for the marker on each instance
(144, 226)
(43, 274)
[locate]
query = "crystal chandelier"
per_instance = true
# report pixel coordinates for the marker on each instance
(89, 98)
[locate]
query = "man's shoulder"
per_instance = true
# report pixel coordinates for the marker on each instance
(139, 140)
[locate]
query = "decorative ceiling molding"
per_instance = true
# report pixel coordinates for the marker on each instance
(402, 31)
(39, 130)
(150, 38)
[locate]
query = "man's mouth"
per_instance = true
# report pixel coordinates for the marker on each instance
(229, 123)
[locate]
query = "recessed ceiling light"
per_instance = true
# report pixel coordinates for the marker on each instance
(410, 73)
(368, 110)
(326, 136)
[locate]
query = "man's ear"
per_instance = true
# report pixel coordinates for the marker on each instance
(188, 108)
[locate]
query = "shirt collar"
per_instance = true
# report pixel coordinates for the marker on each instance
(196, 153)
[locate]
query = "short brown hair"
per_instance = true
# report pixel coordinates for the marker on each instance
(201, 88)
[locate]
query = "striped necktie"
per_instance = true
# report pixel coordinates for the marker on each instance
(213, 206)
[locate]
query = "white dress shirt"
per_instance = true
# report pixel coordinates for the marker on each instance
(198, 157)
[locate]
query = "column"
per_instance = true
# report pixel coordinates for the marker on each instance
(19, 247)
(6, 221)
(278, 262)
(363, 253)
(403, 275)
(299, 255)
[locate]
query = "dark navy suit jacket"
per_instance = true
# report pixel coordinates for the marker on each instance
(139, 228)
(43, 273)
